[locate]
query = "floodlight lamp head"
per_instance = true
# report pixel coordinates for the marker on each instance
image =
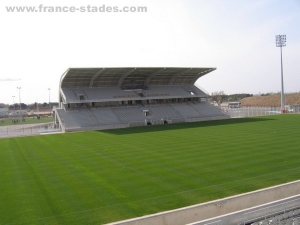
(280, 40)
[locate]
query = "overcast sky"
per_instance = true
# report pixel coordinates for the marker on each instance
(235, 36)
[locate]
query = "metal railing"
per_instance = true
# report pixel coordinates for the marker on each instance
(264, 213)
(25, 130)
(257, 111)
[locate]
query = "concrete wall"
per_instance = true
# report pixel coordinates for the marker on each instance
(254, 213)
(218, 208)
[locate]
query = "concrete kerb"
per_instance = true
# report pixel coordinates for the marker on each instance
(218, 207)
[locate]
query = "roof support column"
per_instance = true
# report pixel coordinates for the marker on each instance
(152, 75)
(124, 76)
(177, 75)
(95, 76)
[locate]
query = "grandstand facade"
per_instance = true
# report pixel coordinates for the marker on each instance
(106, 98)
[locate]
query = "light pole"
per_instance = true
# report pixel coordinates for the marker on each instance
(14, 105)
(49, 101)
(281, 42)
(37, 109)
(19, 99)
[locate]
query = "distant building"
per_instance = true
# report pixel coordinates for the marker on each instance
(3, 112)
(19, 113)
(230, 105)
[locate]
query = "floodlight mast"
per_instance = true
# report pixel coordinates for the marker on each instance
(281, 42)
(49, 89)
(19, 99)
(14, 105)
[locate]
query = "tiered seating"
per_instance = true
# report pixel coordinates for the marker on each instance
(108, 93)
(129, 114)
(112, 113)
(164, 111)
(94, 94)
(287, 218)
(185, 110)
(76, 118)
(105, 116)
(206, 109)
(156, 91)
(126, 115)
(116, 97)
(70, 95)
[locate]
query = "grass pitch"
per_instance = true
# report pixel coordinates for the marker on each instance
(103, 176)
(28, 120)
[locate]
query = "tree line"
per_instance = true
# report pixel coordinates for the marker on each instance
(32, 106)
(220, 96)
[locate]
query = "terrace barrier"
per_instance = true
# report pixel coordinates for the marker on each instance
(258, 111)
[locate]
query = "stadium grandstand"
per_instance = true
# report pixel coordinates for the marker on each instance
(106, 98)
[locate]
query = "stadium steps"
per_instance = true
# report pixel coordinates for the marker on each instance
(105, 116)
(159, 112)
(129, 114)
(76, 118)
(185, 110)
(206, 109)
(93, 117)
(70, 95)
(74, 93)
(85, 95)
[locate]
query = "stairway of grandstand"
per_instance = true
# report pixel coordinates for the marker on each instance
(126, 116)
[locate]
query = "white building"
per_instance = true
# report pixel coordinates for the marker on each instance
(3, 112)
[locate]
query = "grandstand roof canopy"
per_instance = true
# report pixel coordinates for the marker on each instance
(131, 76)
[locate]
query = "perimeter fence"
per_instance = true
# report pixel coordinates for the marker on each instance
(258, 111)
(26, 129)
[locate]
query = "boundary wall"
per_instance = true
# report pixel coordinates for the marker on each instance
(201, 214)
